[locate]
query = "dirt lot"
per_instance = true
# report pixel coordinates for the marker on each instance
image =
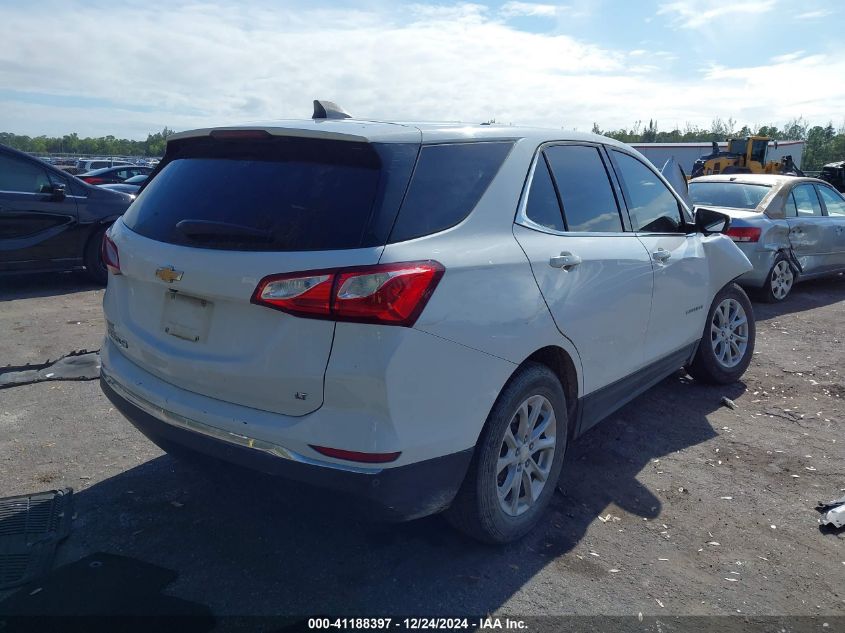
(675, 505)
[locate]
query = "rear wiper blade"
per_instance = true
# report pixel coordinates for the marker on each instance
(208, 229)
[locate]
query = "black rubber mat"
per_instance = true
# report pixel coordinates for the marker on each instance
(81, 365)
(103, 592)
(30, 528)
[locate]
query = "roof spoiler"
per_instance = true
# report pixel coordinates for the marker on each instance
(329, 110)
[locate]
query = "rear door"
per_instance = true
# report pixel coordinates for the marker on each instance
(834, 229)
(594, 275)
(806, 221)
(681, 275)
(35, 226)
(221, 215)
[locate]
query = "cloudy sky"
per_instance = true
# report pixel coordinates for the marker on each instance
(131, 67)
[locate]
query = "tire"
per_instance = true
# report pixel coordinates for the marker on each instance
(779, 281)
(93, 260)
(721, 357)
(477, 509)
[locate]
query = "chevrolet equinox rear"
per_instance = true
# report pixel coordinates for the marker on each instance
(422, 317)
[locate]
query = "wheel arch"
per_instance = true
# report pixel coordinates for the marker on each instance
(93, 229)
(563, 366)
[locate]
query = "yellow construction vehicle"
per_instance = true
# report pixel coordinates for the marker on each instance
(743, 156)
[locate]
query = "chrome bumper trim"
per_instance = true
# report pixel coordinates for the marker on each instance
(188, 424)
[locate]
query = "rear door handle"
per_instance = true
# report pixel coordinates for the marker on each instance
(661, 255)
(565, 260)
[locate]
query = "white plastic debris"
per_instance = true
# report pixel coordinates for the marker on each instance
(835, 515)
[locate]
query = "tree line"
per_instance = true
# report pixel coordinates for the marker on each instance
(89, 146)
(823, 143)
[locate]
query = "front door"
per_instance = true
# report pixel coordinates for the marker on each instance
(681, 298)
(806, 229)
(594, 274)
(834, 224)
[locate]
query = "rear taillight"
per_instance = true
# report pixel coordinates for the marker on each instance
(744, 233)
(93, 181)
(110, 256)
(390, 294)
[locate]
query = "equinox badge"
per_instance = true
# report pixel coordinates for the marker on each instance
(169, 274)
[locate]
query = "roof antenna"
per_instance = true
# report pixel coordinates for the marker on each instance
(329, 110)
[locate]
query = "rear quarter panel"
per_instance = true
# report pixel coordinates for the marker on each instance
(488, 299)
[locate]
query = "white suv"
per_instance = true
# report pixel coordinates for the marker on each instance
(84, 166)
(421, 316)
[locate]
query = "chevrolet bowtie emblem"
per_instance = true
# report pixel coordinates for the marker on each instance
(169, 274)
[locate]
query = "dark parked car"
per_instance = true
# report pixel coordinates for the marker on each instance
(130, 185)
(834, 173)
(50, 220)
(111, 175)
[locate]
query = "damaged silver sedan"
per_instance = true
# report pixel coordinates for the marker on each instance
(789, 228)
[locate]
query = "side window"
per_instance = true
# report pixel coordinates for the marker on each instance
(542, 206)
(789, 207)
(652, 206)
(56, 179)
(833, 201)
(806, 201)
(21, 175)
(448, 182)
(585, 190)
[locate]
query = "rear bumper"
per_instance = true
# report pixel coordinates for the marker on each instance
(395, 494)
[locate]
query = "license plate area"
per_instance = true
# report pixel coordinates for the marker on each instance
(186, 317)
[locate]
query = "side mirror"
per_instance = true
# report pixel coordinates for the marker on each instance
(708, 221)
(57, 191)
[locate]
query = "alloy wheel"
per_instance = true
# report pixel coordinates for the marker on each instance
(729, 333)
(782, 279)
(526, 455)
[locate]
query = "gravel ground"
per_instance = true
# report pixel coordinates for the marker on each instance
(677, 504)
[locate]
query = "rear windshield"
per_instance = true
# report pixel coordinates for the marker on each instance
(734, 195)
(274, 194)
(297, 194)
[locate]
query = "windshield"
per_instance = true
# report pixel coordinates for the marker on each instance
(735, 195)
(282, 194)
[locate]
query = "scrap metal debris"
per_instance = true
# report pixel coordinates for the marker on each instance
(730, 404)
(79, 365)
(834, 512)
(30, 528)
